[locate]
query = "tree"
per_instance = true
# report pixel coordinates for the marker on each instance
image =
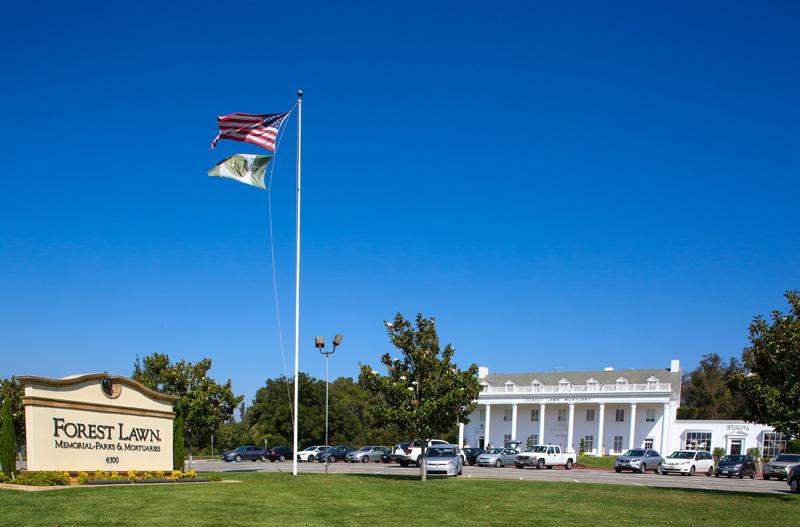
(423, 394)
(705, 393)
(270, 414)
(8, 445)
(11, 389)
(178, 443)
(769, 377)
(204, 404)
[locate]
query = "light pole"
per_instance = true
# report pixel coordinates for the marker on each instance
(319, 342)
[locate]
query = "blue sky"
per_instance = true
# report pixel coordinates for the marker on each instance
(564, 187)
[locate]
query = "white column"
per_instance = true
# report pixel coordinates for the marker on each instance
(601, 422)
(486, 428)
(570, 427)
(665, 422)
(633, 426)
(513, 422)
(460, 435)
(541, 424)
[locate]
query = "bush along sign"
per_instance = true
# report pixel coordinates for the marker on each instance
(96, 422)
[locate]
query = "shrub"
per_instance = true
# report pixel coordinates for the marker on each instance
(794, 446)
(178, 443)
(214, 477)
(176, 474)
(189, 475)
(582, 447)
(8, 445)
(718, 453)
(133, 474)
(43, 479)
(2, 478)
(83, 477)
(160, 474)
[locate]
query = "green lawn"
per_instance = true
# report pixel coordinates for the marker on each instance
(597, 461)
(280, 499)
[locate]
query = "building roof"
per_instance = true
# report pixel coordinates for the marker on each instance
(552, 378)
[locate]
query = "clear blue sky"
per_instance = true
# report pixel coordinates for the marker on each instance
(570, 187)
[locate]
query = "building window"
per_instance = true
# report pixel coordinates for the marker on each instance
(588, 443)
(590, 415)
(648, 444)
(650, 415)
(618, 444)
(562, 415)
(620, 416)
(506, 439)
(563, 385)
(774, 444)
(537, 386)
(534, 414)
(622, 380)
(507, 414)
(698, 441)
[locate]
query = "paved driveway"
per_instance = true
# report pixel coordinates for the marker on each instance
(576, 476)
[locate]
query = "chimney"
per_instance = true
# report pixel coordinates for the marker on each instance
(483, 371)
(675, 366)
(608, 368)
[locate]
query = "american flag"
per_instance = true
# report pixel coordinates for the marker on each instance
(259, 129)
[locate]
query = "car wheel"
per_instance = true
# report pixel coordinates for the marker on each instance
(518, 466)
(404, 464)
(271, 460)
(617, 470)
(642, 468)
(460, 471)
(417, 462)
(365, 459)
(766, 477)
(753, 475)
(691, 471)
(238, 458)
(498, 463)
(540, 464)
(282, 459)
(710, 471)
(716, 475)
(658, 469)
(568, 465)
(794, 486)
(263, 459)
(331, 459)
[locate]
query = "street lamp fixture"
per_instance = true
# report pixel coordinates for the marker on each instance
(319, 343)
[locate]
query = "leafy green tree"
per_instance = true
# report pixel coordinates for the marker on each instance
(769, 377)
(12, 390)
(8, 446)
(705, 393)
(178, 443)
(234, 434)
(423, 394)
(270, 414)
(204, 403)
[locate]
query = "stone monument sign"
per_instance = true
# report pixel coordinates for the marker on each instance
(96, 422)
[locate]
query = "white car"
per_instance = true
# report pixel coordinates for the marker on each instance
(444, 460)
(413, 451)
(309, 454)
(689, 462)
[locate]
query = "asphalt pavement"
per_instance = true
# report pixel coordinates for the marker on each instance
(577, 476)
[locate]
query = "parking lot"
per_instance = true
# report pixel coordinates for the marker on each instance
(577, 476)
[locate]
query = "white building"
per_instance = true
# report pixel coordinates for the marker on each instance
(611, 411)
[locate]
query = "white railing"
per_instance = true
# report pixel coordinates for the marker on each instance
(582, 388)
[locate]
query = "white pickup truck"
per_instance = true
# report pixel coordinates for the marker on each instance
(545, 456)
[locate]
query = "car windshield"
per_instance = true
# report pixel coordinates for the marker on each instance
(733, 459)
(682, 455)
(494, 451)
(241, 449)
(364, 449)
(309, 449)
(791, 458)
(634, 453)
(541, 449)
(441, 452)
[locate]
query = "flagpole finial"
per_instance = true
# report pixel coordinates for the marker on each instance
(299, 93)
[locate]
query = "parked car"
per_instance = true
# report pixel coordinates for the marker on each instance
(497, 457)
(793, 479)
(398, 450)
(244, 453)
(310, 454)
(365, 454)
(444, 459)
(472, 454)
(279, 453)
(778, 467)
(334, 453)
(413, 450)
(545, 456)
(737, 465)
(639, 460)
(687, 462)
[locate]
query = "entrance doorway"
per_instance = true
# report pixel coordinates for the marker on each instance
(736, 447)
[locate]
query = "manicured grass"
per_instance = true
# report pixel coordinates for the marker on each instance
(280, 499)
(597, 461)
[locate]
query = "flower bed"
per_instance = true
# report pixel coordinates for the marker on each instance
(102, 477)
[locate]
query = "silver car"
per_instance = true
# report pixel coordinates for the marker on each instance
(639, 460)
(497, 457)
(365, 454)
(778, 467)
(444, 459)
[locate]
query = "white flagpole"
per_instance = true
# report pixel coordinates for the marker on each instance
(297, 287)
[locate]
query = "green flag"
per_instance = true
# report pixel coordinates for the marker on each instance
(247, 168)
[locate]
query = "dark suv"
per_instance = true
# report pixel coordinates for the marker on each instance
(279, 453)
(252, 453)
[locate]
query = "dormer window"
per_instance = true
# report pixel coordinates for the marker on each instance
(592, 383)
(563, 385)
(536, 385)
(509, 386)
(485, 386)
(622, 381)
(652, 383)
